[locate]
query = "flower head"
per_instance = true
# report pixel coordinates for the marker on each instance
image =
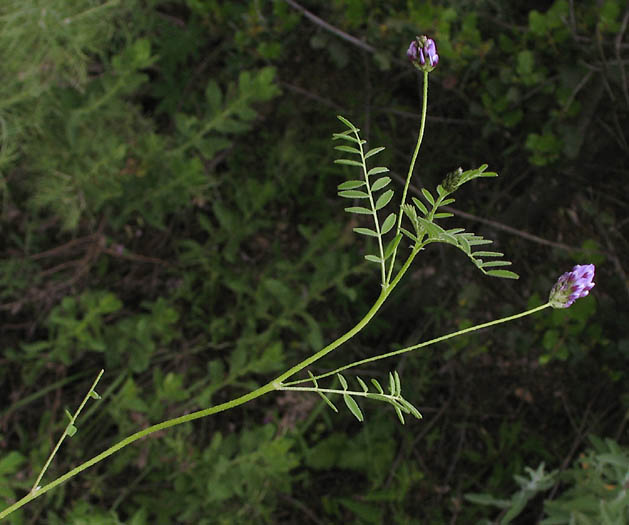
(572, 286)
(423, 53)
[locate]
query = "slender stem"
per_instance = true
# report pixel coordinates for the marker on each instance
(361, 324)
(421, 345)
(66, 430)
(276, 384)
(411, 167)
(134, 437)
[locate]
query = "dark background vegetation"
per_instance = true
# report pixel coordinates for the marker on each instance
(169, 213)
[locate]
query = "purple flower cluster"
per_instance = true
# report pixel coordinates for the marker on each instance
(572, 286)
(423, 53)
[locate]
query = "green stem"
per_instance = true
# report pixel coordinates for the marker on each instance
(134, 437)
(66, 430)
(272, 385)
(411, 167)
(421, 345)
(361, 324)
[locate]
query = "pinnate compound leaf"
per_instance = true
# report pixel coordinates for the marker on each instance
(384, 199)
(380, 183)
(374, 151)
(351, 184)
(366, 231)
(353, 407)
(349, 162)
(376, 170)
(388, 224)
(353, 194)
(359, 210)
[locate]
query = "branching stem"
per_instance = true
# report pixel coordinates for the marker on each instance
(66, 432)
(421, 345)
(276, 384)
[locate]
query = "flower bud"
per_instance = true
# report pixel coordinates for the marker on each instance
(423, 53)
(572, 286)
(452, 180)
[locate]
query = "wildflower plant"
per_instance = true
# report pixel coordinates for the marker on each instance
(409, 229)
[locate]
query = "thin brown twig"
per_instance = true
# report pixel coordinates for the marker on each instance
(57, 249)
(311, 95)
(623, 73)
(340, 33)
(576, 90)
(135, 257)
(615, 259)
(599, 46)
(329, 27)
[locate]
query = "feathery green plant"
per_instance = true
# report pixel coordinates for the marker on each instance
(422, 229)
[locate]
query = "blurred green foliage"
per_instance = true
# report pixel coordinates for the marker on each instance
(169, 213)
